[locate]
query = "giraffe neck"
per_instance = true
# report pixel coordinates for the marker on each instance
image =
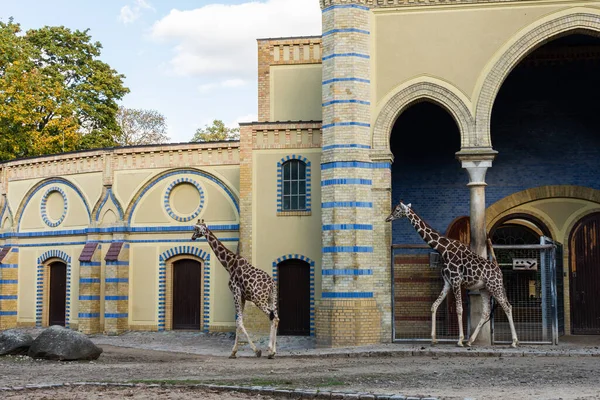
(225, 256)
(427, 233)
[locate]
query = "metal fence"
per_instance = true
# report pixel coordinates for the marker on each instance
(530, 278)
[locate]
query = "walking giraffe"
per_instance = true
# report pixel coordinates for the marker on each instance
(247, 283)
(462, 268)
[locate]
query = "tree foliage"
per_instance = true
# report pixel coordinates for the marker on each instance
(216, 132)
(55, 94)
(137, 126)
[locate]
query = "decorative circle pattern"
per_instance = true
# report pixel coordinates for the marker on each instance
(45, 216)
(167, 200)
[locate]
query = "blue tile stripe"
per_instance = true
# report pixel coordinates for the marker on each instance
(347, 295)
(280, 163)
(365, 8)
(182, 172)
(115, 280)
(167, 200)
(8, 313)
(311, 283)
(9, 266)
(9, 297)
(116, 298)
(8, 281)
(335, 55)
(347, 204)
(110, 195)
(347, 249)
(162, 280)
(331, 102)
(89, 298)
(346, 146)
(54, 244)
(41, 283)
(45, 218)
(52, 182)
(118, 263)
(347, 227)
(355, 164)
(89, 315)
(347, 272)
(350, 123)
(116, 315)
(345, 30)
(352, 79)
(346, 181)
(90, 263)
(89, 280)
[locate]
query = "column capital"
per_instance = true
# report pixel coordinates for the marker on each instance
(382, 156)
(476, 162)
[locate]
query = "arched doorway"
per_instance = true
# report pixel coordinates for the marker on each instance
(584, 260)
(58, 293)
(293, 279)
(187, 294)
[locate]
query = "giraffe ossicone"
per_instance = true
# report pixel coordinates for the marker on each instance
(247, 283)
(462, 268)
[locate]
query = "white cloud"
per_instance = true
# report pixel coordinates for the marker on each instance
(130, 14)
(220, 40)
(229, 83)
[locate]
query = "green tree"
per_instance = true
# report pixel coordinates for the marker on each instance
(138, 126)
(55, 94)
(216, 132)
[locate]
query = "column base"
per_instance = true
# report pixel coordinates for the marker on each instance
(476, 309)
(342, 323)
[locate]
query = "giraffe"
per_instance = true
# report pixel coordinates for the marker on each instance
(247, 283)
(462, 268)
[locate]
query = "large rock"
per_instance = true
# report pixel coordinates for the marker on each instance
(58, 343)
(14, 342)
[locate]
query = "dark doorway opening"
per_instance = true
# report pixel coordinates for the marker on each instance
(187, 283)
(58, 293)
(584, 256)
(293, 278)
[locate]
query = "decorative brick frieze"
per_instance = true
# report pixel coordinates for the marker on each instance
(405, 3)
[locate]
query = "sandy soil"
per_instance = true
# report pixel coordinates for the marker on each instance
(439, 376)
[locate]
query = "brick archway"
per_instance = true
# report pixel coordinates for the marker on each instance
(575, 20)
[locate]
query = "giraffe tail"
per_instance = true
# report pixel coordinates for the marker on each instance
(491, 249)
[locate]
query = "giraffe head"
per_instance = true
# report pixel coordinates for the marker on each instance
(400, 211)
(200, 229)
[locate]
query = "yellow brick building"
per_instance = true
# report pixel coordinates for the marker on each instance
(100, 240)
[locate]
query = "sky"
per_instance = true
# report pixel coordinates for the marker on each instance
(191, 60)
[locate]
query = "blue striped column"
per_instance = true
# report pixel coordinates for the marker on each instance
(346, 176)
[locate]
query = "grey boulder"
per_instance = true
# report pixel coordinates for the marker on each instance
(58, 343)
(14, 342)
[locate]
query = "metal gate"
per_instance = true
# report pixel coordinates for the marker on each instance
(530, 278)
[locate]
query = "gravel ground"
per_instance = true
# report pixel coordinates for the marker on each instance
(189, 358)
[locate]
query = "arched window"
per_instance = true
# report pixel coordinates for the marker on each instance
(294, 186)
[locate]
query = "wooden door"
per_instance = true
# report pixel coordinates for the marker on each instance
(585, 276)
(294, 297)
(187, 293)
(58, 293)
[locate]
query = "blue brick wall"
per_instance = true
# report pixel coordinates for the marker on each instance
(544, 126)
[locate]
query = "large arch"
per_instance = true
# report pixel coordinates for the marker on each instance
(190, 171)
(574, 20)
(29, 195)
(421, 89)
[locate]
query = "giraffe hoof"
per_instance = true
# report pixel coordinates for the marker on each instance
(271, 356)
(460, 344)
(434, 343)
(468, 344)
(258, 353)
(232, 356)
(513, 345)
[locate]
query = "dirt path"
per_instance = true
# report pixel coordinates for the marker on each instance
(442, 377)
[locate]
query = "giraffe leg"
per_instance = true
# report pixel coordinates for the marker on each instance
(434, 308)
(501, 298)
(239, 311)
(271, 312)
(459, 312)
(485, 316)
